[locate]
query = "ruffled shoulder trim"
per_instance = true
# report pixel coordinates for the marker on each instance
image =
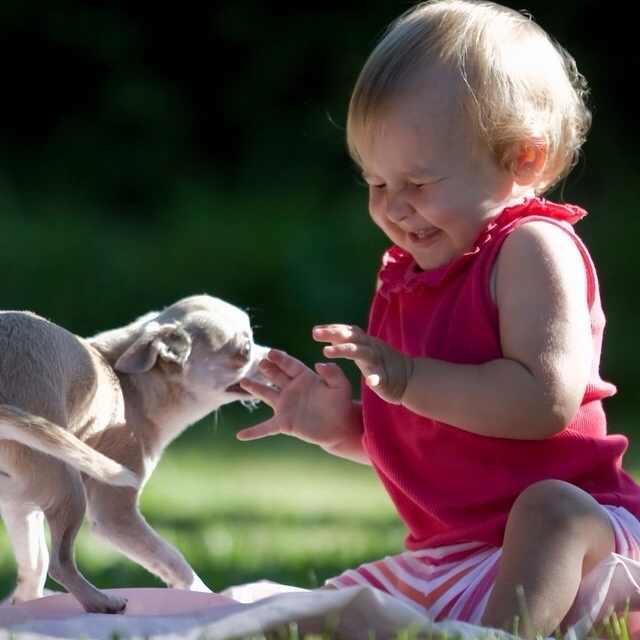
(399, 271)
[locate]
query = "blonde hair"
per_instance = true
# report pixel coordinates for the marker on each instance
(518, 86)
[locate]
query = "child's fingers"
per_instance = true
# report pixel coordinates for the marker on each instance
(274, 373)
(262, 430)
(366, 358)
(332, 375)
(337, 333)
(287, 363)
(351, 351)
(261, 391)
(352, 343)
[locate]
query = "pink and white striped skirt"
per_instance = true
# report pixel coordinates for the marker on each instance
(454, 582)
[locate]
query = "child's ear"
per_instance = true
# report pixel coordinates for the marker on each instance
(529, 163)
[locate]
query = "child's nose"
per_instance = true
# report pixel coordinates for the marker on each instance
(397, 207)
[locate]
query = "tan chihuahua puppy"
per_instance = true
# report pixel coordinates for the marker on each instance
(83, 423)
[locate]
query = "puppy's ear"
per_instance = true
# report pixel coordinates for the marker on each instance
(166, 341)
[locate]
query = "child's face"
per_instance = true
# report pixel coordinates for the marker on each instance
(431, 190)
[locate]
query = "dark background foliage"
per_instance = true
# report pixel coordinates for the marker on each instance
(149, 153)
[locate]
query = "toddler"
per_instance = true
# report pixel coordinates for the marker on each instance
(481, 407)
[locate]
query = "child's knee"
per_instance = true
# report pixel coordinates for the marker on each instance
(557, 507)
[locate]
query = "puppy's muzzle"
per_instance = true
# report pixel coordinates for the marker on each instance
(258, 354)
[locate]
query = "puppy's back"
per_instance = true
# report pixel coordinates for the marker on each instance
(48, 381)
(41, 364)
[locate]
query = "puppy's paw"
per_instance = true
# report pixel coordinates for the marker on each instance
(103, 603)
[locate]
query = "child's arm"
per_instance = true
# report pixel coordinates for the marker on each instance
(314, 407)
(532, 392)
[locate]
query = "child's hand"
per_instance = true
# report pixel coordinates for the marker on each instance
(315, 407)
(385, 370)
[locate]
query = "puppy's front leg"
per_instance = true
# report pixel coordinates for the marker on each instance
(115, 517)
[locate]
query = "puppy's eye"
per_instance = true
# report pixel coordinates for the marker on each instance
(245, 351)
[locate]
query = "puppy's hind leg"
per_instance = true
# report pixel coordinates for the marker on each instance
(64, 516)
(25, 528)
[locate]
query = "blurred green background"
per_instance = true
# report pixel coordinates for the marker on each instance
(151, 153)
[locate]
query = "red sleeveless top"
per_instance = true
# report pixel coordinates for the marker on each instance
(450, 485)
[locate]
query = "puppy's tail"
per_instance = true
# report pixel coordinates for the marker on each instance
(47, 437)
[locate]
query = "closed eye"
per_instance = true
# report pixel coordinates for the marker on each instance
(372, 182)
(423, 184)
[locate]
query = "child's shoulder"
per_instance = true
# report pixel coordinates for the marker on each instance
(540, 238)
(540, 255)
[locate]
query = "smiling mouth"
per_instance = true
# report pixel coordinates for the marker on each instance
(424, 236)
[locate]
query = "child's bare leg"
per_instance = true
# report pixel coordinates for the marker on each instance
(556, 533)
